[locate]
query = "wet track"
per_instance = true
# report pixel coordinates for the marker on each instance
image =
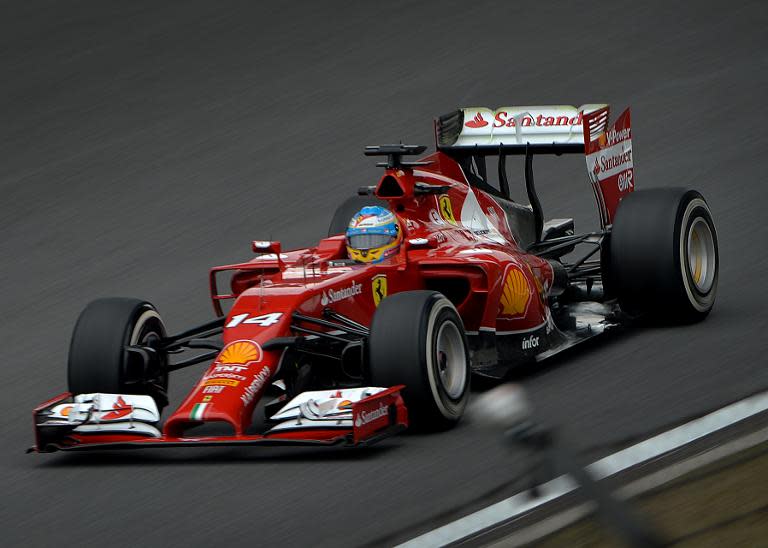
(141, 144)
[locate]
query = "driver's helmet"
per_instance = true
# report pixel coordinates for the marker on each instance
(373, 235)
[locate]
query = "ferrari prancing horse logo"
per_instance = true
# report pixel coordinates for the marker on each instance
(379, 288)
(446, 211)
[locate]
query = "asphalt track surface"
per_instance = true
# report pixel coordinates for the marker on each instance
(142, 142)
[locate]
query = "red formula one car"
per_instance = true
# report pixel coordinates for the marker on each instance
(348, 352)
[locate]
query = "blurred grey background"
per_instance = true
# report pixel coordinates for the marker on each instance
(142, 142)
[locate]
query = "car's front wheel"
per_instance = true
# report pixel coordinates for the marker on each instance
(98, 359)
(417, 339)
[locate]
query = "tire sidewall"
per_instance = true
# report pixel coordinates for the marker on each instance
(443, 311)
(693, 209)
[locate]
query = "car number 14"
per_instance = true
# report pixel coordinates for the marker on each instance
(264, 321)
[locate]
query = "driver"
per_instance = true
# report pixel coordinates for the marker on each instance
(373, 235)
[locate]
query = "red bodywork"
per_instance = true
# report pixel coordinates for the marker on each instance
(439, 251)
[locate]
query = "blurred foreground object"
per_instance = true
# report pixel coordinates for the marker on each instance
(507, 407)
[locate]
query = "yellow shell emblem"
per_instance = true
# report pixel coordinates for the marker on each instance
(240, 353)
(516, 293)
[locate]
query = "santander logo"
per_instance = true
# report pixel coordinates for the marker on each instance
(366, 417)
(120, 410)
(477, 121)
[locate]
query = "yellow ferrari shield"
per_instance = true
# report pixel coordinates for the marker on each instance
(446, 211)
(379, 288)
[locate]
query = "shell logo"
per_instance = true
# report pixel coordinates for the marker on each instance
(516, 293)
(240, 353)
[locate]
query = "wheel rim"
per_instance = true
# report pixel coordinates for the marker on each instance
(451, 360)
(141, 330)
(148, 331)
(701, 255)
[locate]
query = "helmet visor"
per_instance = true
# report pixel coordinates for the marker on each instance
(369, 241)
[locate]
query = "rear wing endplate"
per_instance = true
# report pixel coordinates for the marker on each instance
(610, 164)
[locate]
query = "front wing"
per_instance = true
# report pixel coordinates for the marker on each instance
(370, 419)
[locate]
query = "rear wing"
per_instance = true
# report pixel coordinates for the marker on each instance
(540, 129)
(470, 134)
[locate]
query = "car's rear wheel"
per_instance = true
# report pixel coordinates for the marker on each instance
(663, 261)
(347, 209)
(417, 339)
(98, 359)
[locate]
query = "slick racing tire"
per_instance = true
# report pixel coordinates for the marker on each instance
(98, 360)
(417, 339)
(663, 261)
(347, 209)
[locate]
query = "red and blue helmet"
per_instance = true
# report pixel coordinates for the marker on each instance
(373, 235)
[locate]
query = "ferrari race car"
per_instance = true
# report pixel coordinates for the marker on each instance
(340, 351)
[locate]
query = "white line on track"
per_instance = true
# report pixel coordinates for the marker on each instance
(656, 446)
